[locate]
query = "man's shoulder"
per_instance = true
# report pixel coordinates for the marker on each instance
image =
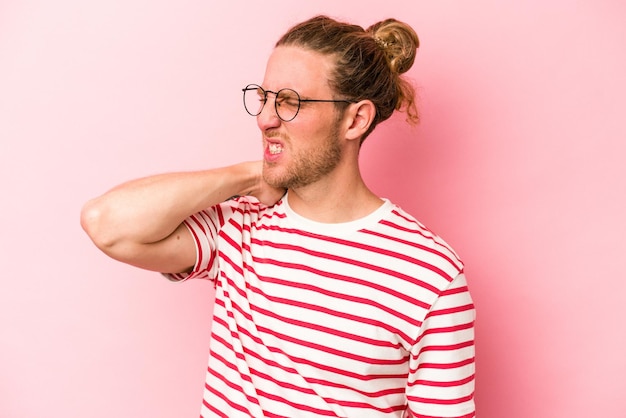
(408, 232)
(247, 210)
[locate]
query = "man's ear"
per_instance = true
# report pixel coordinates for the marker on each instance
(361, 116)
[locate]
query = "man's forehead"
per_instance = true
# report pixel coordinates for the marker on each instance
(297, 68)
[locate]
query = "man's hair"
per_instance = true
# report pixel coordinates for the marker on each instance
(368, 62)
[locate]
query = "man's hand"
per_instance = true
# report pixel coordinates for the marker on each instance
(265, 193)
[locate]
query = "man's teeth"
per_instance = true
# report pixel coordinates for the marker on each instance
(275, 148)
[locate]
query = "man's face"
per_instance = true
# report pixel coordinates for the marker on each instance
(302, 151)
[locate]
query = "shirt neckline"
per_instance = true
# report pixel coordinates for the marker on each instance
(341, 228)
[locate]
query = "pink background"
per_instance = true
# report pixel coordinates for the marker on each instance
(518, 163)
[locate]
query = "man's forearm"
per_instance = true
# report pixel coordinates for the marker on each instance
(147, 210)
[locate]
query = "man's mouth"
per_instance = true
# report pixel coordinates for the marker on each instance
(275, 148)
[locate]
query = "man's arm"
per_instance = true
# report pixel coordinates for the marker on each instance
(140, 222)
(442, 363)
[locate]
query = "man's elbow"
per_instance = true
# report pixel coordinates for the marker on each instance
(93, 221)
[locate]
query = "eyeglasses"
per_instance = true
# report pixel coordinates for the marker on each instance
(286, 102)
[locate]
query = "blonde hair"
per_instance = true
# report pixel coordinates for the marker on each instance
(369, 63)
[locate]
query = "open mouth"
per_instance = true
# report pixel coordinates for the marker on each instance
(274, 148)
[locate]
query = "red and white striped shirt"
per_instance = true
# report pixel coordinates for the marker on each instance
(370, 318)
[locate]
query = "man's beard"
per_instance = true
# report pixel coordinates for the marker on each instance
(307, 167)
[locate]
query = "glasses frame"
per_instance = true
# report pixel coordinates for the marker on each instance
(256, 87)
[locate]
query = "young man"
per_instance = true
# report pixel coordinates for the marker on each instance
(330, 301)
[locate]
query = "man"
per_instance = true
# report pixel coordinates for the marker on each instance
(330, 301)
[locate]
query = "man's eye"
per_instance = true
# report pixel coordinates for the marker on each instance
(287, 101)
(259, 92)
(291, 102)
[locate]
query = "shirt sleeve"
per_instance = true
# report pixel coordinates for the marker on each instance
(204, 227)
(442, 362)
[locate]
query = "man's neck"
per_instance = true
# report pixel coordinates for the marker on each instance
(334, 199)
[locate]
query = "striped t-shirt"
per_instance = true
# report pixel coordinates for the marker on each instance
(370, 318)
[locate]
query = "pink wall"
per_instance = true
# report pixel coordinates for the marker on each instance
(517, 163)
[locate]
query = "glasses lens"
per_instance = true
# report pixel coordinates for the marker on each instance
(287, 104)
(253, 99)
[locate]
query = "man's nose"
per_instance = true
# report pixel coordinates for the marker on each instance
(268, 118)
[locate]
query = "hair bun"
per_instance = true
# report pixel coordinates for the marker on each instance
(399, 42)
